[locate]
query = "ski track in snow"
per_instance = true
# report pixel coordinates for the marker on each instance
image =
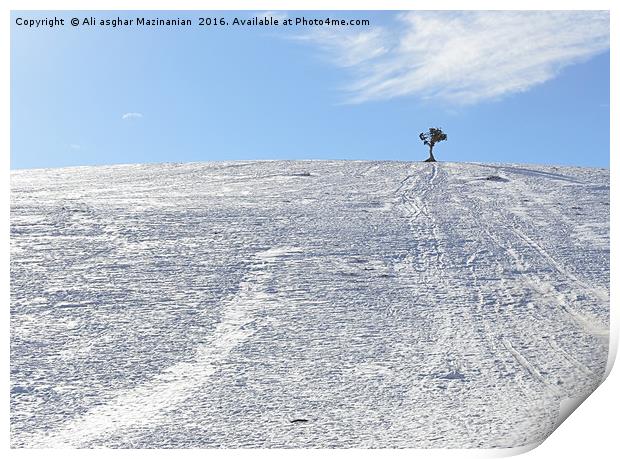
(389, 304)
(148, 402)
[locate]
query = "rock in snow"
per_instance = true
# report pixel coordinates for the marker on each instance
(395, 304)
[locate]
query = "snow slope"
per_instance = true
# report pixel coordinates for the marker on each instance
(389, 304)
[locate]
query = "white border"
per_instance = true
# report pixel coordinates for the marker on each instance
(591, 431)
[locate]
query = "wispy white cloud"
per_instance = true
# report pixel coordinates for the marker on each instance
(348, 49)
(462, 58)
(131, 115)
(75, 146)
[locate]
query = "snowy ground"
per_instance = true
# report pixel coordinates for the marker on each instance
(388, 304)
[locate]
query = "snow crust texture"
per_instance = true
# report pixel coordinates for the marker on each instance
(304, 304)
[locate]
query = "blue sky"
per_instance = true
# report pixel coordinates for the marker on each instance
(506, 87)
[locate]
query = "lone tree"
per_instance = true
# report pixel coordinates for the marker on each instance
(430, 138)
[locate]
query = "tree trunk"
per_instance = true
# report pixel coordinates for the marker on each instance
(431, 158)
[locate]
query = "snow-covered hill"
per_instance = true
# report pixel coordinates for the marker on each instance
(377, 304)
